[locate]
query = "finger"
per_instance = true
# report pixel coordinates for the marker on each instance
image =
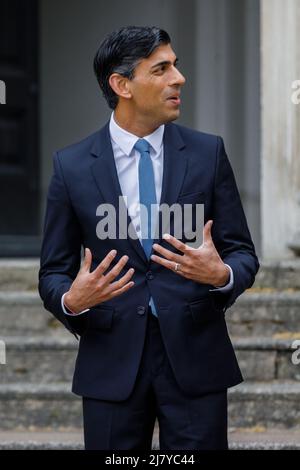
(113, 273)
(122, 290)
(86, 266)
(122, 281)
(168, 264)
(175, 242)
(167, 253)
(105, 263)
(207, 232)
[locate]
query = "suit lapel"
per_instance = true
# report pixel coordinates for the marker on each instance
(175, 164)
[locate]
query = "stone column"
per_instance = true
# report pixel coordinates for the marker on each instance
(280, 182)
(227, 100)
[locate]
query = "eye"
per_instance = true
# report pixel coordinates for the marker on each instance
(160, 69)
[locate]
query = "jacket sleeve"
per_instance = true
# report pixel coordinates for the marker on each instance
(230, 231)
(61, 250)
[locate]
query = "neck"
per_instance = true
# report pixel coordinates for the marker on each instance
(134, 124)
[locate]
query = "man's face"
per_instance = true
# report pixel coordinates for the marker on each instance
(155, 88)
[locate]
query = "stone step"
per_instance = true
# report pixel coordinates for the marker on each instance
(22, 274)
(266, 405)
(254, 314)
(39, 359)
(241, 439)
(283, 274)
(40, 439)
(25, 406)
(267, 359)
(259, 438)
(19, 274)
(48, 359)
(268, 314)
(22, 313)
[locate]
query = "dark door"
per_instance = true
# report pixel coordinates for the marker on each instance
(19, 172)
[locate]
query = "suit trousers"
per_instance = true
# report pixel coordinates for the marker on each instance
(185, 422)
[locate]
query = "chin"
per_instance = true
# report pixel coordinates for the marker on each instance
(172, 116)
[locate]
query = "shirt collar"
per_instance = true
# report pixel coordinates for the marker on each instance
(126, 141)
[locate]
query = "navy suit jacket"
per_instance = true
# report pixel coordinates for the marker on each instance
(191, 318)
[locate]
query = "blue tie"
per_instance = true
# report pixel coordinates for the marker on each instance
(147, 198)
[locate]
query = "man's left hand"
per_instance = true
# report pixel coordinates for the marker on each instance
(202, 264)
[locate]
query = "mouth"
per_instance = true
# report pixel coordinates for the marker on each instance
(175, 99)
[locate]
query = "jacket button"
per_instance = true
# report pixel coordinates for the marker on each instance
(149, 275)
(141, 310)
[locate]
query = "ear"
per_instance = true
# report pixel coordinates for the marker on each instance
(120, 85)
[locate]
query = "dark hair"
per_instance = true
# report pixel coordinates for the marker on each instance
(121, 51)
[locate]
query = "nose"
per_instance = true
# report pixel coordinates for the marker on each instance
(178, 78)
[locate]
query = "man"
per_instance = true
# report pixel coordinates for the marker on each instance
(150, 312)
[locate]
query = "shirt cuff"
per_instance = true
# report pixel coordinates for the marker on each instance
(68, 311)
(227, 286)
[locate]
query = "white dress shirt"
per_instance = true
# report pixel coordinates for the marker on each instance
(127, 161)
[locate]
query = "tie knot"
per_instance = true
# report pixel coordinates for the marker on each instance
(142, 146)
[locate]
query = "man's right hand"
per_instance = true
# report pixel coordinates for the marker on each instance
(92, 288)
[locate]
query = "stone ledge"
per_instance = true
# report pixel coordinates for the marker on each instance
(261, 390)
(44, 359)
(21, 343)
(269, 439)
(22, 274)
(17, 297)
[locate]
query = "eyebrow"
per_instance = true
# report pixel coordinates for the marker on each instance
(164, 62)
